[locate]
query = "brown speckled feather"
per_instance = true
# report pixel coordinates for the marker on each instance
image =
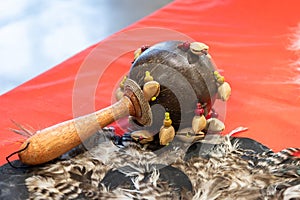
(225, 172)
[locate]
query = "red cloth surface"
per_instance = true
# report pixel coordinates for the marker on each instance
(248, 40)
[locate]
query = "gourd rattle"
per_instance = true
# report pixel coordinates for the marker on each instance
(171, 76)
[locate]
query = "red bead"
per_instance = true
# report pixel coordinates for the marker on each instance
(208, 116)
(184, 46)
(144, 48)
(199, 110)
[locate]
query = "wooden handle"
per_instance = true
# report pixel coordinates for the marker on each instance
(51, 142)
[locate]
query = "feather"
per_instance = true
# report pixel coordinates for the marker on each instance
(226, 168)
(23, 131)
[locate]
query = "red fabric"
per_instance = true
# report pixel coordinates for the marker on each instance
(248, 41)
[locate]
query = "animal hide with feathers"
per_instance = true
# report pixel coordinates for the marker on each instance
(222, 168)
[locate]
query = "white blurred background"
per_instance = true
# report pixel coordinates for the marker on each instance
(36, 35)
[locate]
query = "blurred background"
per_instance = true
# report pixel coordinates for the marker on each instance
(36, 35)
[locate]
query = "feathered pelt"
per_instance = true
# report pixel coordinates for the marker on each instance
(215, 169)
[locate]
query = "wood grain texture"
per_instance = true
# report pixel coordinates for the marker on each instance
(51, 142)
